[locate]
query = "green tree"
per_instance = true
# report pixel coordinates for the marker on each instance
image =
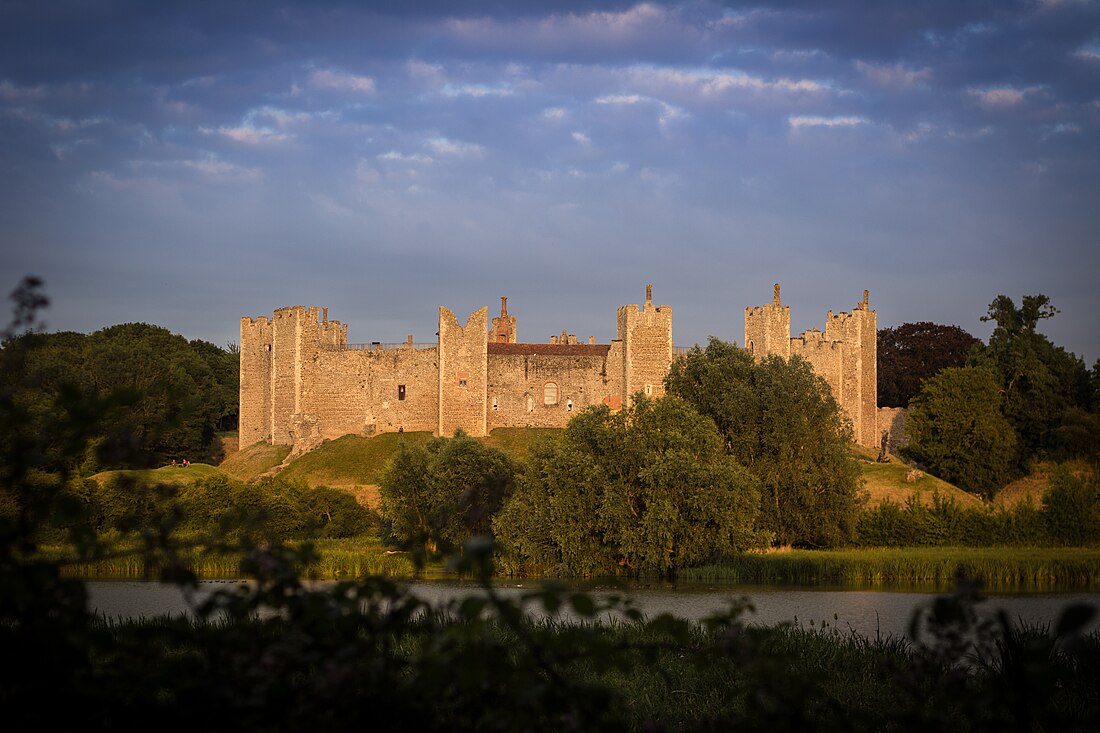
(913, 352)
(223, 398)
(439, 495)
(159, 396)
(648, 489)
(780, 421)
(1040, 381)
(957, 431)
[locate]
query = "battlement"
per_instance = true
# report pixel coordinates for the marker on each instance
(813, 339)
(301, 382)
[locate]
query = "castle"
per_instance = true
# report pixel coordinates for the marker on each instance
(302, 383)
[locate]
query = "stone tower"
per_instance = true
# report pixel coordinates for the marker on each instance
(646, 335)
(462, 372)
(275, 391)
(768, 328)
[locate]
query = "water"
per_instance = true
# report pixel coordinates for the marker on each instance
(865, 612)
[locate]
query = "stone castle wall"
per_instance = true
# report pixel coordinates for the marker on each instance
(301, 383)
(544, 385)
(845, 355)
(892, 420)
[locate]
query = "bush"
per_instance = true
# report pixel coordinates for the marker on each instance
(1071, 509)
(1069, 516)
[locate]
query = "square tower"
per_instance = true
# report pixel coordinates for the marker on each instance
(646, 334)
(768, 328)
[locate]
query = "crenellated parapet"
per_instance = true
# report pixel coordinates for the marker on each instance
(768, 328)
(302, 382)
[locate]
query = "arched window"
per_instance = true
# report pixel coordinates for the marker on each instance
(550, 393)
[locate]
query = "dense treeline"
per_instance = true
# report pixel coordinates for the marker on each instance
(154, 395)
(983, 417)
(913, 352)
(273, 509)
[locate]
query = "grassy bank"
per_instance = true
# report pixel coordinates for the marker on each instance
(999, 567)
(339, 560)
(925, 567)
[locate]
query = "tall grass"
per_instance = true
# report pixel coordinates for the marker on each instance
(339, 559)
(1005, 568)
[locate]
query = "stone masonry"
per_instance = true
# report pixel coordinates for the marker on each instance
(302, 383)
(845, 355)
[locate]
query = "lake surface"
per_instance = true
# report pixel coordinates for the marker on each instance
(867, 612)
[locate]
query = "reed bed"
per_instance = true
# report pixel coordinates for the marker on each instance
(999, 567)
(338, 560)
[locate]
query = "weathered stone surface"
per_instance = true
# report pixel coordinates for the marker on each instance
(302, 383)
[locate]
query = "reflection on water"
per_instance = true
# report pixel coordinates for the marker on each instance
(865, 612)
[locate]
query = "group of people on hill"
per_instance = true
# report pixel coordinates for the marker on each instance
(184, 463)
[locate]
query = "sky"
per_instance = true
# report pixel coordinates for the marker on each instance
(189, 163)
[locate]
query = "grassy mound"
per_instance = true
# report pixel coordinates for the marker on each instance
(1034, 486)
(254, 460)
(517, 441)
(897, 482)
(350, 461)
(175, 475)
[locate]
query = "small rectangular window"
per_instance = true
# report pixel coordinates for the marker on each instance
(400, 391)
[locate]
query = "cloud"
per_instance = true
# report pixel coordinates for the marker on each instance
(341, 81)
(668, 113)
(555, 113)
(475, 90)
(1001, 96)
(620, 99)
(581, 138)
(248, 134)
(221, 170)
(708, 86)
(893, 76)
(645, 24)
(454, 148)
(800, 121)
(395, 156)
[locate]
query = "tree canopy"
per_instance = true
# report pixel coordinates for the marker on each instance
(912, 352)
(158, 396)
(780, 421)
(956, 430)
(1040, 381)
(649, 489)
(437, 496)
